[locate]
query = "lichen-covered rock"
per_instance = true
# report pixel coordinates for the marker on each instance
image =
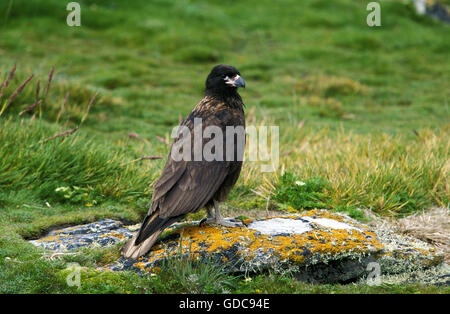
(433, 8)
(317, 246)
(101, 233)
(402, 253)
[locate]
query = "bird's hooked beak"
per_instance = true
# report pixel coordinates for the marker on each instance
(236, 81)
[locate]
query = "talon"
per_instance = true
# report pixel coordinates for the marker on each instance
(242, 220)
(202, 222)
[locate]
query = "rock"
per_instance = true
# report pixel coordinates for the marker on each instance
(408, 260)
(101, 233)
(317, 247)
(433, 8)
(402, 253)
(438, 11)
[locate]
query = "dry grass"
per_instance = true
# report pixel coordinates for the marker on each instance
(65, 133)
(391, 174)
(431, 226)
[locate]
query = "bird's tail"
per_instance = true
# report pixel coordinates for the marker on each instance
(131, 250)
(151, 229)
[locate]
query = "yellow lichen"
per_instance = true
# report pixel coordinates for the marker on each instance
(294, 248)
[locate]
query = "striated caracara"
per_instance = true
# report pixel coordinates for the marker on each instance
(189, 184)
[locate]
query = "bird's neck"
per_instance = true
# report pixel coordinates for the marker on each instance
(231, 98)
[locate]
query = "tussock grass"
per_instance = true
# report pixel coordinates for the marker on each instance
(33, 159)
(392, 175)
(330, 85)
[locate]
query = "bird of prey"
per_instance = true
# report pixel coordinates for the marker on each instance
(186, 186)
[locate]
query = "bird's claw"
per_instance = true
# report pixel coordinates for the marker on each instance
(242, 220)
(222, 222)
(202, 222)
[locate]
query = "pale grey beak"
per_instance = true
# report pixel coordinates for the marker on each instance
(237, 81)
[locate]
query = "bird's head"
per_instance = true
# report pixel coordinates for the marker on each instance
(223, 79)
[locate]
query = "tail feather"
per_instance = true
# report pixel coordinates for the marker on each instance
(131, 250)
(148, 234)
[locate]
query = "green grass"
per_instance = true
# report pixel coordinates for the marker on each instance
(76, 161)
(298, 194)
(363, 115)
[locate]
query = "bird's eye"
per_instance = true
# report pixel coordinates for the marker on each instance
(223, 76)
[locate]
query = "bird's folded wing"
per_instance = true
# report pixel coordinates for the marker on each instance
(194, 188)
(186, 186)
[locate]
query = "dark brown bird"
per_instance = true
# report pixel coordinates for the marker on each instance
(186, 186)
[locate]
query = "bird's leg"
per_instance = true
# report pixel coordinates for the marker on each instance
(219, 220)
(210, 212)
(208, 219)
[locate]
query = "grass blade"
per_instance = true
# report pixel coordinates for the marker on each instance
(16, 92)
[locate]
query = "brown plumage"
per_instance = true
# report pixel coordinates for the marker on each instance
(188, 186)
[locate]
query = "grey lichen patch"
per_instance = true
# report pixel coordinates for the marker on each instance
(101, 233)
(406, 260)
(411, 274)
(402, 253)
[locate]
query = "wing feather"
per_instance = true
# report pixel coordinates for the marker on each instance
(191, 192)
